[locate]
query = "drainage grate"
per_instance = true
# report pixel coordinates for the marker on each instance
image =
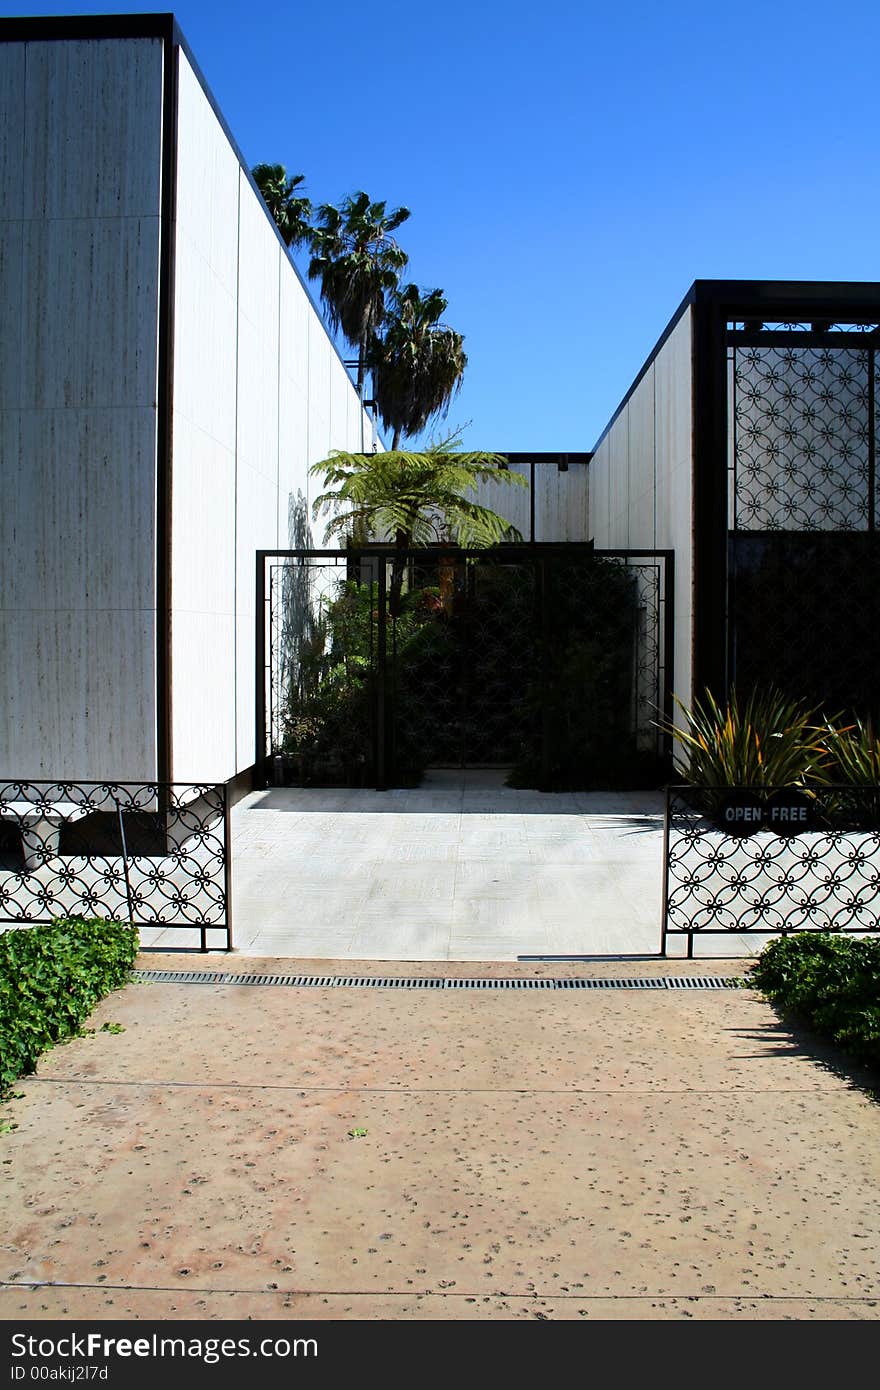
(214, 977)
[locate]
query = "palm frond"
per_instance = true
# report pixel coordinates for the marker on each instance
(420, 496)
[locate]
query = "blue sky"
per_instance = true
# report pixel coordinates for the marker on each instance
(571, 168)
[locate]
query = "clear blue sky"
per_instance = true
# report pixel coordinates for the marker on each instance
(571, 167)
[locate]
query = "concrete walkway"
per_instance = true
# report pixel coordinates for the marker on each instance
(580, 1154)
(461, 868)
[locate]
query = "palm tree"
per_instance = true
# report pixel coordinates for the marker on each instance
(358, 263)
(415, 497)
(417, 362)
(291, 211)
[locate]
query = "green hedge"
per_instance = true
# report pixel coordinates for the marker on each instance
(831, 982)
(51, 977)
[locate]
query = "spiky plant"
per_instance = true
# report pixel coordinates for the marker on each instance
(855, 755)
(765, 740)
(855, 751)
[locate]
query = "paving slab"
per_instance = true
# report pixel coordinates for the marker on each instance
(625, 1154)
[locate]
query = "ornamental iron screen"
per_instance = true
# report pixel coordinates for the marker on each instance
(770, 860)
(804, 438)
(803, 553)
(375, 664)
(152, 854)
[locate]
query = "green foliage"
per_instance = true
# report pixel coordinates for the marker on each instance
(415, 498)
(855, 762)
(768, 740)
(291, 210)
(327, 722)
(580, 693)
(358, 263)
(831, 982)
(328, 725)
(51, 977)
(417, 363)
(855, 753)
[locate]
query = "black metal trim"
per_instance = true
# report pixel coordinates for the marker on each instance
(241, 785)
(780, 338)
(165, 408)
(872, 439)
(709, 503)
(667, 598)
(45, 28)
(504, 552)
(534, 457)
(260, 749)
(383, 752)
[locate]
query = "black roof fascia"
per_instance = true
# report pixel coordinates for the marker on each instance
(769, 299)
(537, 457)
(43, 29)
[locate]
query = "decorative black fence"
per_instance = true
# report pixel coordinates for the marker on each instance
(770, 861)
(156, 855)
(375, 664)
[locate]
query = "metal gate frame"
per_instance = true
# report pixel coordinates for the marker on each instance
(535, 554)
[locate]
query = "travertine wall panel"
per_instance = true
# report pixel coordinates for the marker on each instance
(258, 393)
(641, 479)
(562, 503)
(77, 688)
(76, 527)
(80, 158)
(12, 302)
(89, 336)
(12, 70)
(95, 111)
(204, 441)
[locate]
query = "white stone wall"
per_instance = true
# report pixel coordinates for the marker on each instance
(561, 502)
(641, 480)
(259, 394)
(80, 148)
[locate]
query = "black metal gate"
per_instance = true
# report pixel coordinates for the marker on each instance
(374, 664)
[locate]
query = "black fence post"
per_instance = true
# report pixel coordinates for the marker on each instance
(543, 609)
(227, 864)
(124, 848)
(665, 888)
(381, 677)
(260, 739)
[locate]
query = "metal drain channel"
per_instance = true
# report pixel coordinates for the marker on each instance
(214, 977)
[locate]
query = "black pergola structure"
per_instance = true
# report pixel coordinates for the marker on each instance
(786, 564)
(748, 443)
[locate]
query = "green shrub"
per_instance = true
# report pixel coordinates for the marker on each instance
(831, 982)
(51, 977)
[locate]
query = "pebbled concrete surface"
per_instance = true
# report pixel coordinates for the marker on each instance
(600, 1154)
